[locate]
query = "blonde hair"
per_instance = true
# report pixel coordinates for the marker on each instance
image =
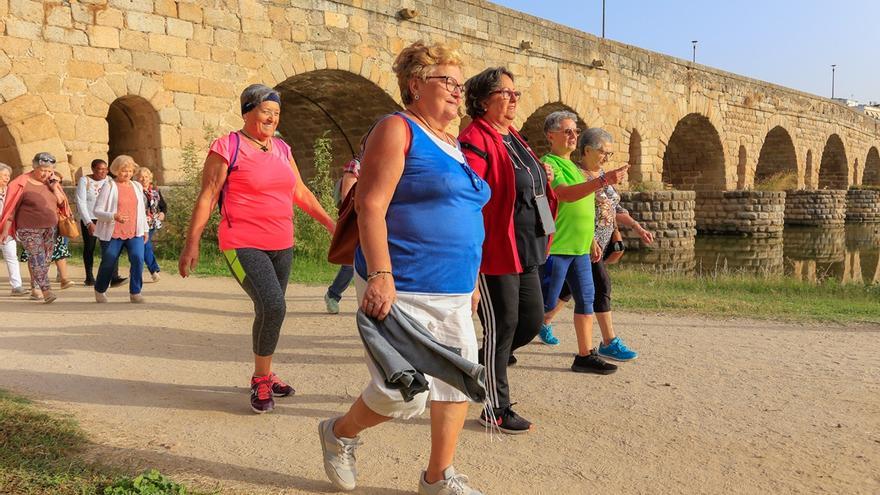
(416, 60)
(121, 162)
(143, 172)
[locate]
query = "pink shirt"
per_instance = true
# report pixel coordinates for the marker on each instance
(126, 206)
(257, 209)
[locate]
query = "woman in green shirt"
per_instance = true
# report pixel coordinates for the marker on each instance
(571, 250)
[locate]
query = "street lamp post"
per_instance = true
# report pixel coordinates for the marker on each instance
(833, 66)
(603, 18)
(694, 43)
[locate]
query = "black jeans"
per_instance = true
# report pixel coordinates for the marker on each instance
(511, 311)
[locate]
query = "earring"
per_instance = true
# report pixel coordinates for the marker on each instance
(416, 97)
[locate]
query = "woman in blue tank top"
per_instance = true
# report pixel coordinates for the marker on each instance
(420, 218)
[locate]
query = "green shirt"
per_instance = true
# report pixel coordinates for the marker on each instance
(576, 220)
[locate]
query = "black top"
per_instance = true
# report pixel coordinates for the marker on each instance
(531, 179)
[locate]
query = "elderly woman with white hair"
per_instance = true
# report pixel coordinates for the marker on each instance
(31, 208)
(156, 208)
(254, 178)
(7, 244)
(122, 223)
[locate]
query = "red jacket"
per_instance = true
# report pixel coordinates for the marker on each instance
(491, 161)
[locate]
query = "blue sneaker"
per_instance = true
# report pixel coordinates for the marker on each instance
(617, 351)
(547, 336)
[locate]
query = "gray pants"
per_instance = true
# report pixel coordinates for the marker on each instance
(263, 275)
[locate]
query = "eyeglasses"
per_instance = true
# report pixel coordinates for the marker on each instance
(47, 160)
(451, 84)
(507, 94)
(570, 132)
(606, 154)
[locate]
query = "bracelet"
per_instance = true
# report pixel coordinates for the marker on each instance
(372, 275)
(603, 179)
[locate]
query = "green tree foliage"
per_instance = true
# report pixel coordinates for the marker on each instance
(312, 240)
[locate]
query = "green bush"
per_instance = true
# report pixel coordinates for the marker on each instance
(780, 181)
(152, 482)
(312, 240)
(182, 200)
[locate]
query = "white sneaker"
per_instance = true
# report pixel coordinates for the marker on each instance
(155, 276)
(332, 305)
(452, 484)
(339, 459)
(100, 297)
(136, 298)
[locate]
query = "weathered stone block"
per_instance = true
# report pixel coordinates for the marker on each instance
(189, 12)
(103, 36)
(180, 82)
(171, 45)
(148, 23)
(179, 28)
(11, 86)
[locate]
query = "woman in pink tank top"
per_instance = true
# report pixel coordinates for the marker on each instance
(254, 178)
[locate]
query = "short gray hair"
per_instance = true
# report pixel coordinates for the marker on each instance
(44, 159)
(554, 120)
(593, 138)
(5, 168)
(255, 94)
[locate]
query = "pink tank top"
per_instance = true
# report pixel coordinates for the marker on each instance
(127, 205)
(257, 210)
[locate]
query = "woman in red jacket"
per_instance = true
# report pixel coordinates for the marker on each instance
(518, 220)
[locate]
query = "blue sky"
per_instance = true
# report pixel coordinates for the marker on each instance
(787, 42)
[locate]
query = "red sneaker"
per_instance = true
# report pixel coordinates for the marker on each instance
(279, 388)
(261, 394)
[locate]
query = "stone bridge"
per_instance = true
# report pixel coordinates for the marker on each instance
(97, 78)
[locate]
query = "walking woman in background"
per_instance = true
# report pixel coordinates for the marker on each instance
(155, 206)
(31, 208)
(421, 231)
(518, 221)
(7, 243)
(261, 184)
(122, 223)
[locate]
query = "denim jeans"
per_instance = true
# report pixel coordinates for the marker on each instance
(149, 257)
(341, 282)
(110, 251)
(577, 272)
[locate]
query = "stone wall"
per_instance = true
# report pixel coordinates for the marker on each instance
(815, 208)
(862, 205)
(827, 245)
(669, 215)
(754, 213)
(759, 256)
(175, 67)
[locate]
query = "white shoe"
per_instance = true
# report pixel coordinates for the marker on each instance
(339, 459)
(452, 484)
(155, 276)
(136, 298)
(100, 297)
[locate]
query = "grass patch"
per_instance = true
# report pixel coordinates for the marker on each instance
(40, 454)
(780, 181)
(745, 296)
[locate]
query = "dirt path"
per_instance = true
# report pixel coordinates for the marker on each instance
(709, 407)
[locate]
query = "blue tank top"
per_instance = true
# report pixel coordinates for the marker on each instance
(435, 221)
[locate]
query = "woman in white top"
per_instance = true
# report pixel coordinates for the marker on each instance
(122, 222)
(87, 190)
(8, 246)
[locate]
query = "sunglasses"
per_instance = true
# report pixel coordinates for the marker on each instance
(47, 160)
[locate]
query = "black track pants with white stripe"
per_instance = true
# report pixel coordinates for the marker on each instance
(511, 311)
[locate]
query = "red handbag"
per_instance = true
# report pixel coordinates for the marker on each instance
(346, 236)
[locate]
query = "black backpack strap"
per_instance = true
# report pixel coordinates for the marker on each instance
(477, 151)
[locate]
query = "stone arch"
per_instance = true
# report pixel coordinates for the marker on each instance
(26, 128)
(834, 169)
(694, 156)
(741, 167)
(338, 102)
(133, 129)
(808, 170)
(777, 155)
(532, 129)
(871, 177)
(634, 158)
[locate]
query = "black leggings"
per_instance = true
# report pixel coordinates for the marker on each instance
(602, 284)
(89, 244)
(263, 275)
(511, 311)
